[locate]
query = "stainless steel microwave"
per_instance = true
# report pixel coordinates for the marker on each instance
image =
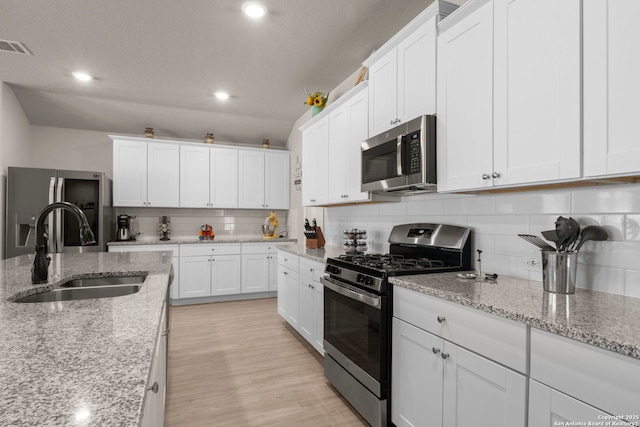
(402, 158)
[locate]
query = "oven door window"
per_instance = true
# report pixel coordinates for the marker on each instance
(357, 330)
(380, 163)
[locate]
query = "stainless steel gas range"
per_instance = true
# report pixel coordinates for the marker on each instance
(358, 305)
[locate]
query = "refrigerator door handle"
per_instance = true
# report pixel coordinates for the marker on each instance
(52, 215)
(59, 214)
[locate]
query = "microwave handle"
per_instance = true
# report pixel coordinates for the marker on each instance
(399, 142)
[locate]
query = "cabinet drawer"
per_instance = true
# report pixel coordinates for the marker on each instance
(199, 249)
(259, 248)
(312, 269)
(288, 260)
(502, 340)
(145, 248)
(607, 380)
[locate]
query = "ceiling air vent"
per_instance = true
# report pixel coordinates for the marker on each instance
(13, 47)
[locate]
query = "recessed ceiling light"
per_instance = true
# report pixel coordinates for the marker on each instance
(82, 76)
(221, 95)
(253, 9)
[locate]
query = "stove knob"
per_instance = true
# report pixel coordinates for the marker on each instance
(368, 281)
(359, 278)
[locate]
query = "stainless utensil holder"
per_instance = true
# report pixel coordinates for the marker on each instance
(559, 271)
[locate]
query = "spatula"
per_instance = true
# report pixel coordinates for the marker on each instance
(537, 241)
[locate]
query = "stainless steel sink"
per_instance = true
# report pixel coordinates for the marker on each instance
(90, 288)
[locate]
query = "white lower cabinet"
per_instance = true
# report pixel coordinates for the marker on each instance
(154, 401)
(549, 407)
(209, 270)
(259, 267)
(437, 382)
(301, 296)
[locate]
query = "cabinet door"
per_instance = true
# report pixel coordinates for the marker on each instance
(250, 179)
(417, 72)
(225, 274)
(224, 178)
(255, 273)
(465, 93)
(276, 177)
(153, 411)
(357, 131)
(416, 376)
(548, 407)
(273, 273)
(194, 177)
(315, 164)
(305, 308)
(480, 392)
(283, 277)
(318, 313)
(163, 175)
(338, 153)
(611, 87)
(129, 173)
(383, 93)
(291, 298)
(195, 276)
(537, 90)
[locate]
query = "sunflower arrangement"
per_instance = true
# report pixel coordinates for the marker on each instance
(316, 99)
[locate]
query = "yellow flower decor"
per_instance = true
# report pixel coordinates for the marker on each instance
(316, 99)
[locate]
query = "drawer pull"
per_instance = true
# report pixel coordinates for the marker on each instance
(435, 350)
(154, 387)
(441, 319)
(445, 355)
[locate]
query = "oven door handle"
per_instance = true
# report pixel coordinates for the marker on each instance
(370, 300)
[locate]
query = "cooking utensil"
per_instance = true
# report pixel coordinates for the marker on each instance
(306, 224)
(564, 232)
(575, 233)
(537, 241)
(592, 232)
(552, 236)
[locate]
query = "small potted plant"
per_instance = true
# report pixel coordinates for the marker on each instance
(317, 100)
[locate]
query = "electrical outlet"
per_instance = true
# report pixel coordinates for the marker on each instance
(532, 263)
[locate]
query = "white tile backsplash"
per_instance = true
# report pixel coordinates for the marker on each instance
(496, 219)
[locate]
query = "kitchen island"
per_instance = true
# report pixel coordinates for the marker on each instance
(84, 362)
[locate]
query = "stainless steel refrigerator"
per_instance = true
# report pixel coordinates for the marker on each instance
(29, 190)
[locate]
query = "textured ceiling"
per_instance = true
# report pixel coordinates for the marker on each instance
(156, 63)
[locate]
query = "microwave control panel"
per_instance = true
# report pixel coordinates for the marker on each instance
(413, 145)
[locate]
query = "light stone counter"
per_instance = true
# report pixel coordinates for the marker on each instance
(604, 320)
(319, 255)
(178, 240)
(78, 363)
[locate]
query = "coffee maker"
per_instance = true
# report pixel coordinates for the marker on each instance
(124, 228)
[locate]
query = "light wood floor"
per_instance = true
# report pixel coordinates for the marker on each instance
(239, 364)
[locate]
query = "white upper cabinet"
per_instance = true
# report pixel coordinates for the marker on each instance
(263, 179)
(465, 101)
(146, 173)
(208, 177)
(509, 94)
(348, 127)
(611, 87)
(129, 173)
(315, 163)
(163, 175)
(536, 91)
(194, 177)
(223, 176)
(402, 73)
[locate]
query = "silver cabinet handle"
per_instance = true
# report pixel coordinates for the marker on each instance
(486, 176)
(285, 273)
(495, 175)
(441, 319)
(444, 355)
(435, 350)
(154, 387)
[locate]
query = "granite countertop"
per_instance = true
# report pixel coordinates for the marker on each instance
(604, 320)
(319, 255)
(181, 240)
(79, 363)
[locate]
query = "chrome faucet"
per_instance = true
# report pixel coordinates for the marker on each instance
(40, 268)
